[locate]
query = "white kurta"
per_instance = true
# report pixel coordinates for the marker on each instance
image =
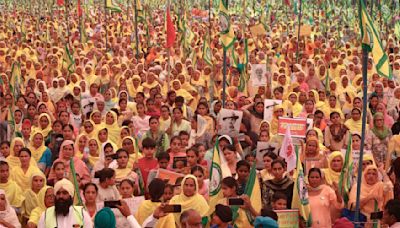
(67, 221)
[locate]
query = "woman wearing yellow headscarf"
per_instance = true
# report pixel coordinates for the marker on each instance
(44, 125)
(21, 174)
(134, 85)
(131, 146)
(113, 129)
(335, 165)
(189, 198)
(176, 86)
(296, 106)
(40, 153)
(94, 151)
(313, 94)
(13, 191)
(16, 145)
(37, 181)
(45, 200)
(374, 193)
(355, 122)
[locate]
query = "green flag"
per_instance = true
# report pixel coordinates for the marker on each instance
(68, 60)
(345, 179)
(372, 43)
(215, 192)
(227, 34)
(207, 52)
(111, 5)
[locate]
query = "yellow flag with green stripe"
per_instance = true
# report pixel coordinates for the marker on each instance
(111, 5)
(215, 191)
(227, 34)
(372, 43)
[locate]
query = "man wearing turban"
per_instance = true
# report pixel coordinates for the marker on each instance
(63, 214)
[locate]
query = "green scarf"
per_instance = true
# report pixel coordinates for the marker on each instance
(381, 134)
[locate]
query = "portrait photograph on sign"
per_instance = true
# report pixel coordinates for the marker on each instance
(258, 75)
(263, 148)
(269, 105)
(229, 121)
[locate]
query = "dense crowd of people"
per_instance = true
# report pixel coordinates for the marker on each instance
(88, 128)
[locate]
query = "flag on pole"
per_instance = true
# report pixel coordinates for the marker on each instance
(300, 193)
(79, 8)
(60, 2)
(139, 10)
(253, 190)
(345, 179)
(207, 52)
(287, 151)
(171, 35)
(372, 43)
(69, 60)
(15, 80)
(226, 31)
(397, 29)
(287, 2)
(215, 191)
(113, 6)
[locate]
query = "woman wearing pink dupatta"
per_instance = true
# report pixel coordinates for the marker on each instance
(67, 152)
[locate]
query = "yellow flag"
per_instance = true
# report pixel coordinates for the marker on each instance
(372, 43)
(112, 6)
(227, 34)
(215, 191)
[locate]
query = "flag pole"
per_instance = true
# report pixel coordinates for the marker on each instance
(169, 58)
(66, 18)
(224, 68)
(298, 34)
(136, 29)
(105, 22)
(363, 127)
(212, 66)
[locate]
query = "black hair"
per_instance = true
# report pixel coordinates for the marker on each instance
(279, 195)
(129, 181)
(126, 122)
(149, 143)
(318, 112)
(278, 161)
(87, 185)
(26, 150)
(267, 212)
(55, 164)
(316, 170)
(119, 151)
(197, 168)
(242, 163)
(4, 163)
(5, 142)
(179, 99)
(182, 133)
(163, 155)
(68, 125)
(176, 108)
(393, 208)
(333, 113)
(271, 155)
(104, 174)
(153, 118)
(229, 147)
(230, 182)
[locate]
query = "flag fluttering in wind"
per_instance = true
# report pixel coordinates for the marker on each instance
(68, 60)
(207, 52)
(345, 179)
(111, 5)
(287, 151)
(300, 192)
(215, 191)
(372, 43)
(226, 31)
(253, 190)
(171, 35)
(78, 4)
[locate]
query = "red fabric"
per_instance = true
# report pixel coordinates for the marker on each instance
(79, 8)
(170, 31)
(145, 165)
(60, 2)
(287, 2)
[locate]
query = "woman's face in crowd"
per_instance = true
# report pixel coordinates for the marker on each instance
(189, 187)
(90, 194)
(371, 176)
(337, 164)
(314, 179)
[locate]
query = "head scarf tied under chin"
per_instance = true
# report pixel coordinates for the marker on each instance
(66, 185)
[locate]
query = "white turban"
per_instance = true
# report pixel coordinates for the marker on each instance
(66, 185)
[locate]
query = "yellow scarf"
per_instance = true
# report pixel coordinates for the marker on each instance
(13, 192)
(196, 202)
(41, 207)
(37, 152)
(147, 208)
(331, 175)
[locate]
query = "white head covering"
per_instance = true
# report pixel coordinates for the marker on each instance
(66, 185)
